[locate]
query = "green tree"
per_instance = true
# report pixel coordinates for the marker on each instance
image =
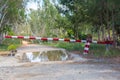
(76, 12)
(101, 14)
(11, 12)
(42, 20)
(104, 16)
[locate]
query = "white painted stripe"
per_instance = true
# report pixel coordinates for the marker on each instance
(84, 41)
(14, 36)
(85, 53)
(38, 38)
(50, 39)
(72, 40)
(94, 41)
(87, 43)
(86, 48)
(26, 37)
(61, 39)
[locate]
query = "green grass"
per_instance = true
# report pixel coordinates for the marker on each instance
(66, 45)
(3, 47)
(8, 42)
(12, 41)
(98, 50)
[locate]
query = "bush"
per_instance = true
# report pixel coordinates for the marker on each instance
(82, 36)
(12, 47)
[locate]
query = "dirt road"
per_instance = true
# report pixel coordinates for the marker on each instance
(77, 69)
(61, 71)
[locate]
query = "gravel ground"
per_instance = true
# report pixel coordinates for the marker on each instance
(61, 71)
(78, 68)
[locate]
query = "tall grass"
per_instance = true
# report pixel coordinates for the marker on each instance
(12, 41)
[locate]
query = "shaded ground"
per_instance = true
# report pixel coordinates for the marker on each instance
(79, 68)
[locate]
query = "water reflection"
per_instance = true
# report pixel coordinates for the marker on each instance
(53, 55)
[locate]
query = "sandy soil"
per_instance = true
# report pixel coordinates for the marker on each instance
(78, 68)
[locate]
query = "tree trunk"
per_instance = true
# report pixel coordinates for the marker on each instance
(103, 33)
(1, 38)
(98, 35)
(109, 34)
(113, 28)
(107, 21)
(75, 31)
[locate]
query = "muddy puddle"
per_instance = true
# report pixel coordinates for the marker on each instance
(53, 55)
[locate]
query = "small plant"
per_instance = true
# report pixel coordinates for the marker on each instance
(13, 50)
(12, 47)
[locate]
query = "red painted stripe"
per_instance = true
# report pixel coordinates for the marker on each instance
(85, 51)
(78, 41)
(44, 39)
(105, 42)
(32, 37)
(100, 42)
(67, 40)
(55, 39)
(20, 37)
(87, 46)
(109, 42)
(8, 36)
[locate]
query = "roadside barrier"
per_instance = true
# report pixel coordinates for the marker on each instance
(87, 45)
(86, 48)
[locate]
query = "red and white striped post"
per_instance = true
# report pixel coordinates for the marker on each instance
(87, 44)
(86, 48)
